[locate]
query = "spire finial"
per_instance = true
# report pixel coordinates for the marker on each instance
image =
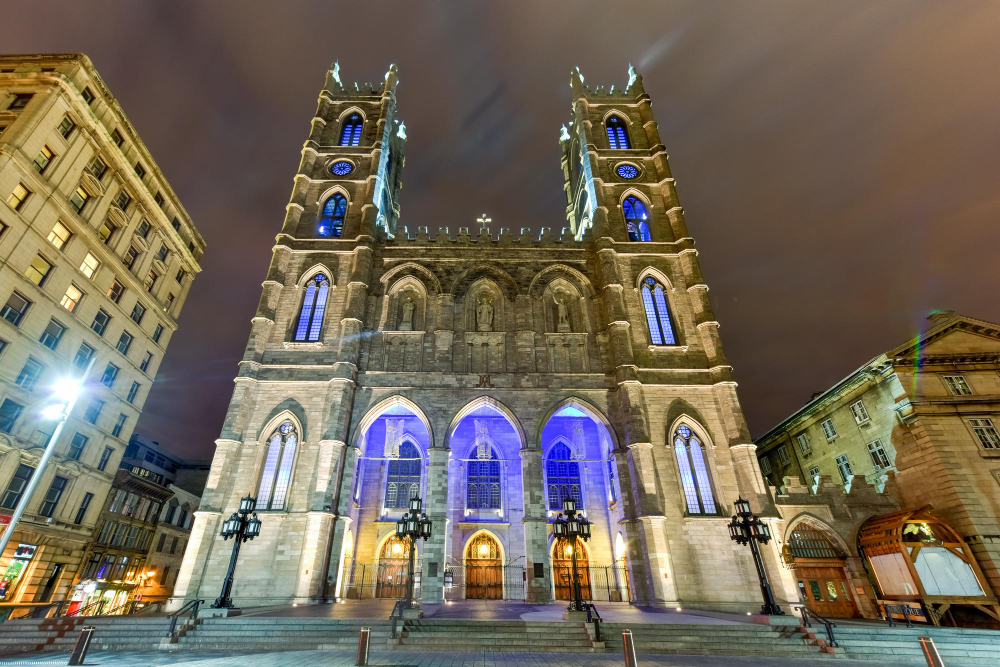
(484, 221)
(564, 134)
(631, 76)
(336, 73)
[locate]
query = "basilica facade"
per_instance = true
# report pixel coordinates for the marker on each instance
(492, 376)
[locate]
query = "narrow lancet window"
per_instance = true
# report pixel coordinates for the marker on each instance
(313, 305)
(636, 219)
(350, 132)
(654, 302)
(695, 482)
(277, 475)
(617, 132)
(331, 223)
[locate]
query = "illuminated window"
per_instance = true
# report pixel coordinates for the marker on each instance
(313, 305)
(350, 132)
(654, 302)
(38, 270)
(626, 171)
(483, 482)
(18, 196)
(43, 159)
(617, 132)
(59, 236)
(334, 211)
(563, 477)
(277, 475)
(635, 219)
(79, 199)
(690, 454)
(90, 265)
(403, 481)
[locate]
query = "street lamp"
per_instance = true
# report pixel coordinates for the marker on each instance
(243, 525)
(572, 527)
(745, 528)
(412, 525)
(65, 392)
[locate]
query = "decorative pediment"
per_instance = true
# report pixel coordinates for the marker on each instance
(955, 337)
(117, 216)
(140, 242)
(159, 266)
(91, 185)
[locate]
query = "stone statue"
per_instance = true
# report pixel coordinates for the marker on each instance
(406, 323)
(484, 314)
(562, 312)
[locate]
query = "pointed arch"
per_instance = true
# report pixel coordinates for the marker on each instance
(332, 215)
(690, 444)
(280, 453)
(403, 552)
(313, 307)
(616, 128)
(571, 275)
(562, 475)
(487, 402)
(404, 475)
(585, 406)
(431, 283)
(394, 402)
(654, 294)
(487, 533)
(813, 521)
(391, 316)
(318, 267)
(636, 211)
(499, 277)
(352, 123)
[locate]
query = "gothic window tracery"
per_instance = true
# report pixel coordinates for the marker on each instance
(654, 302)
(331, 223)
(403, 480)
(617, 130)
(483, 481)
(636, 219)
(277, 475)
(313, 305)
(695, 482)
(350, 132)
(563, 477)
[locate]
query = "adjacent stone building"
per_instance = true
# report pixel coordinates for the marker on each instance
(97, 257)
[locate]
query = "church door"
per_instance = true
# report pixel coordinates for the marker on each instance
(393, 568)
(821, 573)
(483, 569)
(562, 570)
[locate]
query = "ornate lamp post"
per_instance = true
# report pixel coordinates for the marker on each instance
(572, 526)
(745, 528)
(243, 525)
(412, 525)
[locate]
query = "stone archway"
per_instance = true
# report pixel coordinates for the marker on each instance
(820, 568)
(562, 569)
(483, 568)
(393, 568)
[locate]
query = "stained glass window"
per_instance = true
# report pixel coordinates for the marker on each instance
(695, 482)
(483, 483)
(334, 211)
(341, 168)
(654, 302)
(627, 171)
(635, 219)
(563, 478)
(617, 133)
(403, 480)
(350, 133)
(313, 304)
(277, 475)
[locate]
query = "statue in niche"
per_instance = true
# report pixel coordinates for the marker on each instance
(406, 322)
(562, 312)
(484, 313)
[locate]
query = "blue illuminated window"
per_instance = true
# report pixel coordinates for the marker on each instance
(403, 481)
(277, 475)
(341, 168)
(612, 493)
(617, 132)
(635, 219)
(313, 305)
(697, 486)
(483, 483)
(654, 302)
(350, 132)
(334, 211)
(627, 171)
(563, 477)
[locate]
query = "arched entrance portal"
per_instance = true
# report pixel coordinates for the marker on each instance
(562, 569)
(483, 568)
(821, 571)
(393, 568)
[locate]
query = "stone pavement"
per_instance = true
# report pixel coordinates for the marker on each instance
(402, 658)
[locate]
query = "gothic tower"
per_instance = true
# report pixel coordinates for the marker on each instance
(492, 377)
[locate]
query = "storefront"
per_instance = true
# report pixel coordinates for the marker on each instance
(15, 573)
(109, 582)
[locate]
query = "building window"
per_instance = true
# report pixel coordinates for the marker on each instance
(90, 265)
(403, 480)
(87, 96)
(765, 464)
(163, 575)
(313, 304)
(13, 311)
(146, 360)
(350, 132)
(957, 385)
(138, 311)
(117, 137)
(828, 429)
(38, 270)
(83, 356)
(9, 412)
(150, 281)
(43, 159)
(157, 332)
(878, 455)
(176, 224)
(131, 255)
(110, 375)
(105, 458)
(483, 482)
(782, 452)
(119, 426)
(158, 198)
(3, 345)
(562, 477)
(985, 431)
(28, 377)
(101, 321)
(844, 466)
(334, 211)
(140, 171)
(106, 231)
(53, 495)
(612, 493)
(171, 511)
(12, 496)
(71, 299)
(52, 335)
(813, 473)
(173, 545)
(77, 445)
(180, 276)
(635, 219)
(93, 412)
(162, 253)
(169, 302)
(617, 130)
(133, 391)
(143, 228)
(805, 447)
(124, 342)
(159, 545)
(690, 455)
(18, 196)
(97, 167)
(59, 236)
(859, 412)
(82, 512)
(277, 474)
(20, 101)
(79, 199)
(654, 302)
(66, 127)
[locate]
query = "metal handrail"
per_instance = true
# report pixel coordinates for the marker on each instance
(96, 603)
(830, 625)
(903, 609)
(145, 608)
(37, 610)
(191, 606)
(393, 617)
(593, 616)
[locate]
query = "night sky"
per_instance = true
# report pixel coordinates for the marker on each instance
(838, 162)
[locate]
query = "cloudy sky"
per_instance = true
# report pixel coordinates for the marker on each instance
(838, 162)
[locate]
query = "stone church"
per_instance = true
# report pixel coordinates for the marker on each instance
(492, 376)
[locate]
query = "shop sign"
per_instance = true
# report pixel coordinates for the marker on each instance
(8, 583)
(25, 551)
(5, 519)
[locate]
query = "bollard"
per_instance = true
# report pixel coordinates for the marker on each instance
(363, 646)
(930, 652)
(82, 644)
(630, 660)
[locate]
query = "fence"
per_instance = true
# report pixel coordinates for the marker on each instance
(379, 580)
(484, 582)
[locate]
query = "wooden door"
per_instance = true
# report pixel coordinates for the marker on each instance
(562, 570)
(825, 589)
(393, 569)
(483, 569)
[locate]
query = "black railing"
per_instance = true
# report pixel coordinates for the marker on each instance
(807, 613)
(904, 609)
(33, 610)
(396, 615)
(96, 604)
(190, 608)
(378, 580)
(594, 617)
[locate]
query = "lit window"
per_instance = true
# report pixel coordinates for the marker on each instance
(78, 200)
(878, 455)
(617, 132)
(403, 479)
(106, 231)
(844, 467)
(859, 412)
(334, 211)
(59, 236)
(654, 302)
(828, 428)
(626, 171)
(483, 482)
(313, 304)
(18, 196)
(562, 477)
(341, 168)
(804, 446)
(957, 385)
(43, 159)
(90, 265)
(985, 431)
(697, 486)
(277, 474)
(38, 270)
(635, 219)
(350, 133)
(116, 291)
(71, 299)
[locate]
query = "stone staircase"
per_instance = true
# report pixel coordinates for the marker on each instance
(112, 633)
(262, 633)
(519, 636)
(718, 639)
(957, 646)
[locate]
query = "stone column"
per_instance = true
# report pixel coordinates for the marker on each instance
(536, 532)
(432, 557)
